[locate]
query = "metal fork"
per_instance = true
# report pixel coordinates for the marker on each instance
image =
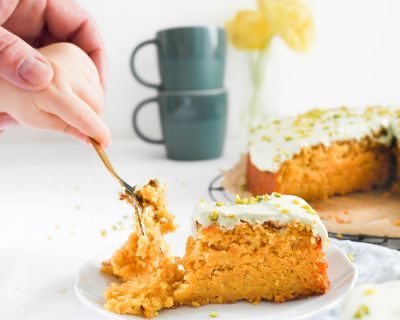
(128, 188)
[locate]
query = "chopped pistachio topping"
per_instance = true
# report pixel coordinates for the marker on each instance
(277, 158)
(277, 205)
(103, 233)
(252, 200)
(213, 216)
(219, 203)
(213, 314)
(285, 211)
(350, 255)
(369, 291)
(266, 138)
(288, 138)
(311, 211)
(260, 198)
(295, 201)
(362, 311)
(230, 216)
(195, 304)
(238, 200)
(276, 194)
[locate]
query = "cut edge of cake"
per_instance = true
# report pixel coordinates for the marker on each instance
(252, 239)
(312, 155)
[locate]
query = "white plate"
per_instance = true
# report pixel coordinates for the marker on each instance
(91, 283)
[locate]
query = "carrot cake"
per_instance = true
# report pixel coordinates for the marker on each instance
(269, 247)
(324, 152)
(147, 273)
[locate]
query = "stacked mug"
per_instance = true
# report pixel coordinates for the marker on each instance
(191, 97)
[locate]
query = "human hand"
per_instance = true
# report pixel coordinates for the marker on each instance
(6, 121)
(29, 24)
(70, 104)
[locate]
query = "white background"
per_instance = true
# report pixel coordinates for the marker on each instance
(354, 60)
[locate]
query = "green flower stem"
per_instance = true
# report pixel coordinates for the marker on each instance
(257, 69)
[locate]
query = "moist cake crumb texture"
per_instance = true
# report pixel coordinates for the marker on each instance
(323, 153)
(269, 247)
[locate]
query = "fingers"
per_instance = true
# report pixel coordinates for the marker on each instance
(99, 60)
(89, 93)
(49, 121)
(67, 21)
(22, 65)
(6, 121)
(80, 115)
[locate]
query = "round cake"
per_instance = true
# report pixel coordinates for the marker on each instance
(323, 153)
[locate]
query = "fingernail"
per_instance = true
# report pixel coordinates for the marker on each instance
(35, 71)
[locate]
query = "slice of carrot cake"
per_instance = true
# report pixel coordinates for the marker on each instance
(322, 153)
(269, 247)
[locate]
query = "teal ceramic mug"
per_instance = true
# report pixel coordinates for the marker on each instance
(193, 123)
(189, 58)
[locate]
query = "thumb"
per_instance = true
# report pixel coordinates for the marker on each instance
(21, 64)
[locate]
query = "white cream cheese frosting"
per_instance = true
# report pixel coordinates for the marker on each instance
(257, 210)
(274, 142)
(372, 302)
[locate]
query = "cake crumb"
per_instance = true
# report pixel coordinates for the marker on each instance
(340, 220)
(386, 194)
(213, 314)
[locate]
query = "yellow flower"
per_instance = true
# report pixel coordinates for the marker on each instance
(248, 30)
(292, 20)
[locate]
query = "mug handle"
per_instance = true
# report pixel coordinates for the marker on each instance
(136, 126)
(132, 64)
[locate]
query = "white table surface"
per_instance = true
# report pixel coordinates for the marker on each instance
(55, 198)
